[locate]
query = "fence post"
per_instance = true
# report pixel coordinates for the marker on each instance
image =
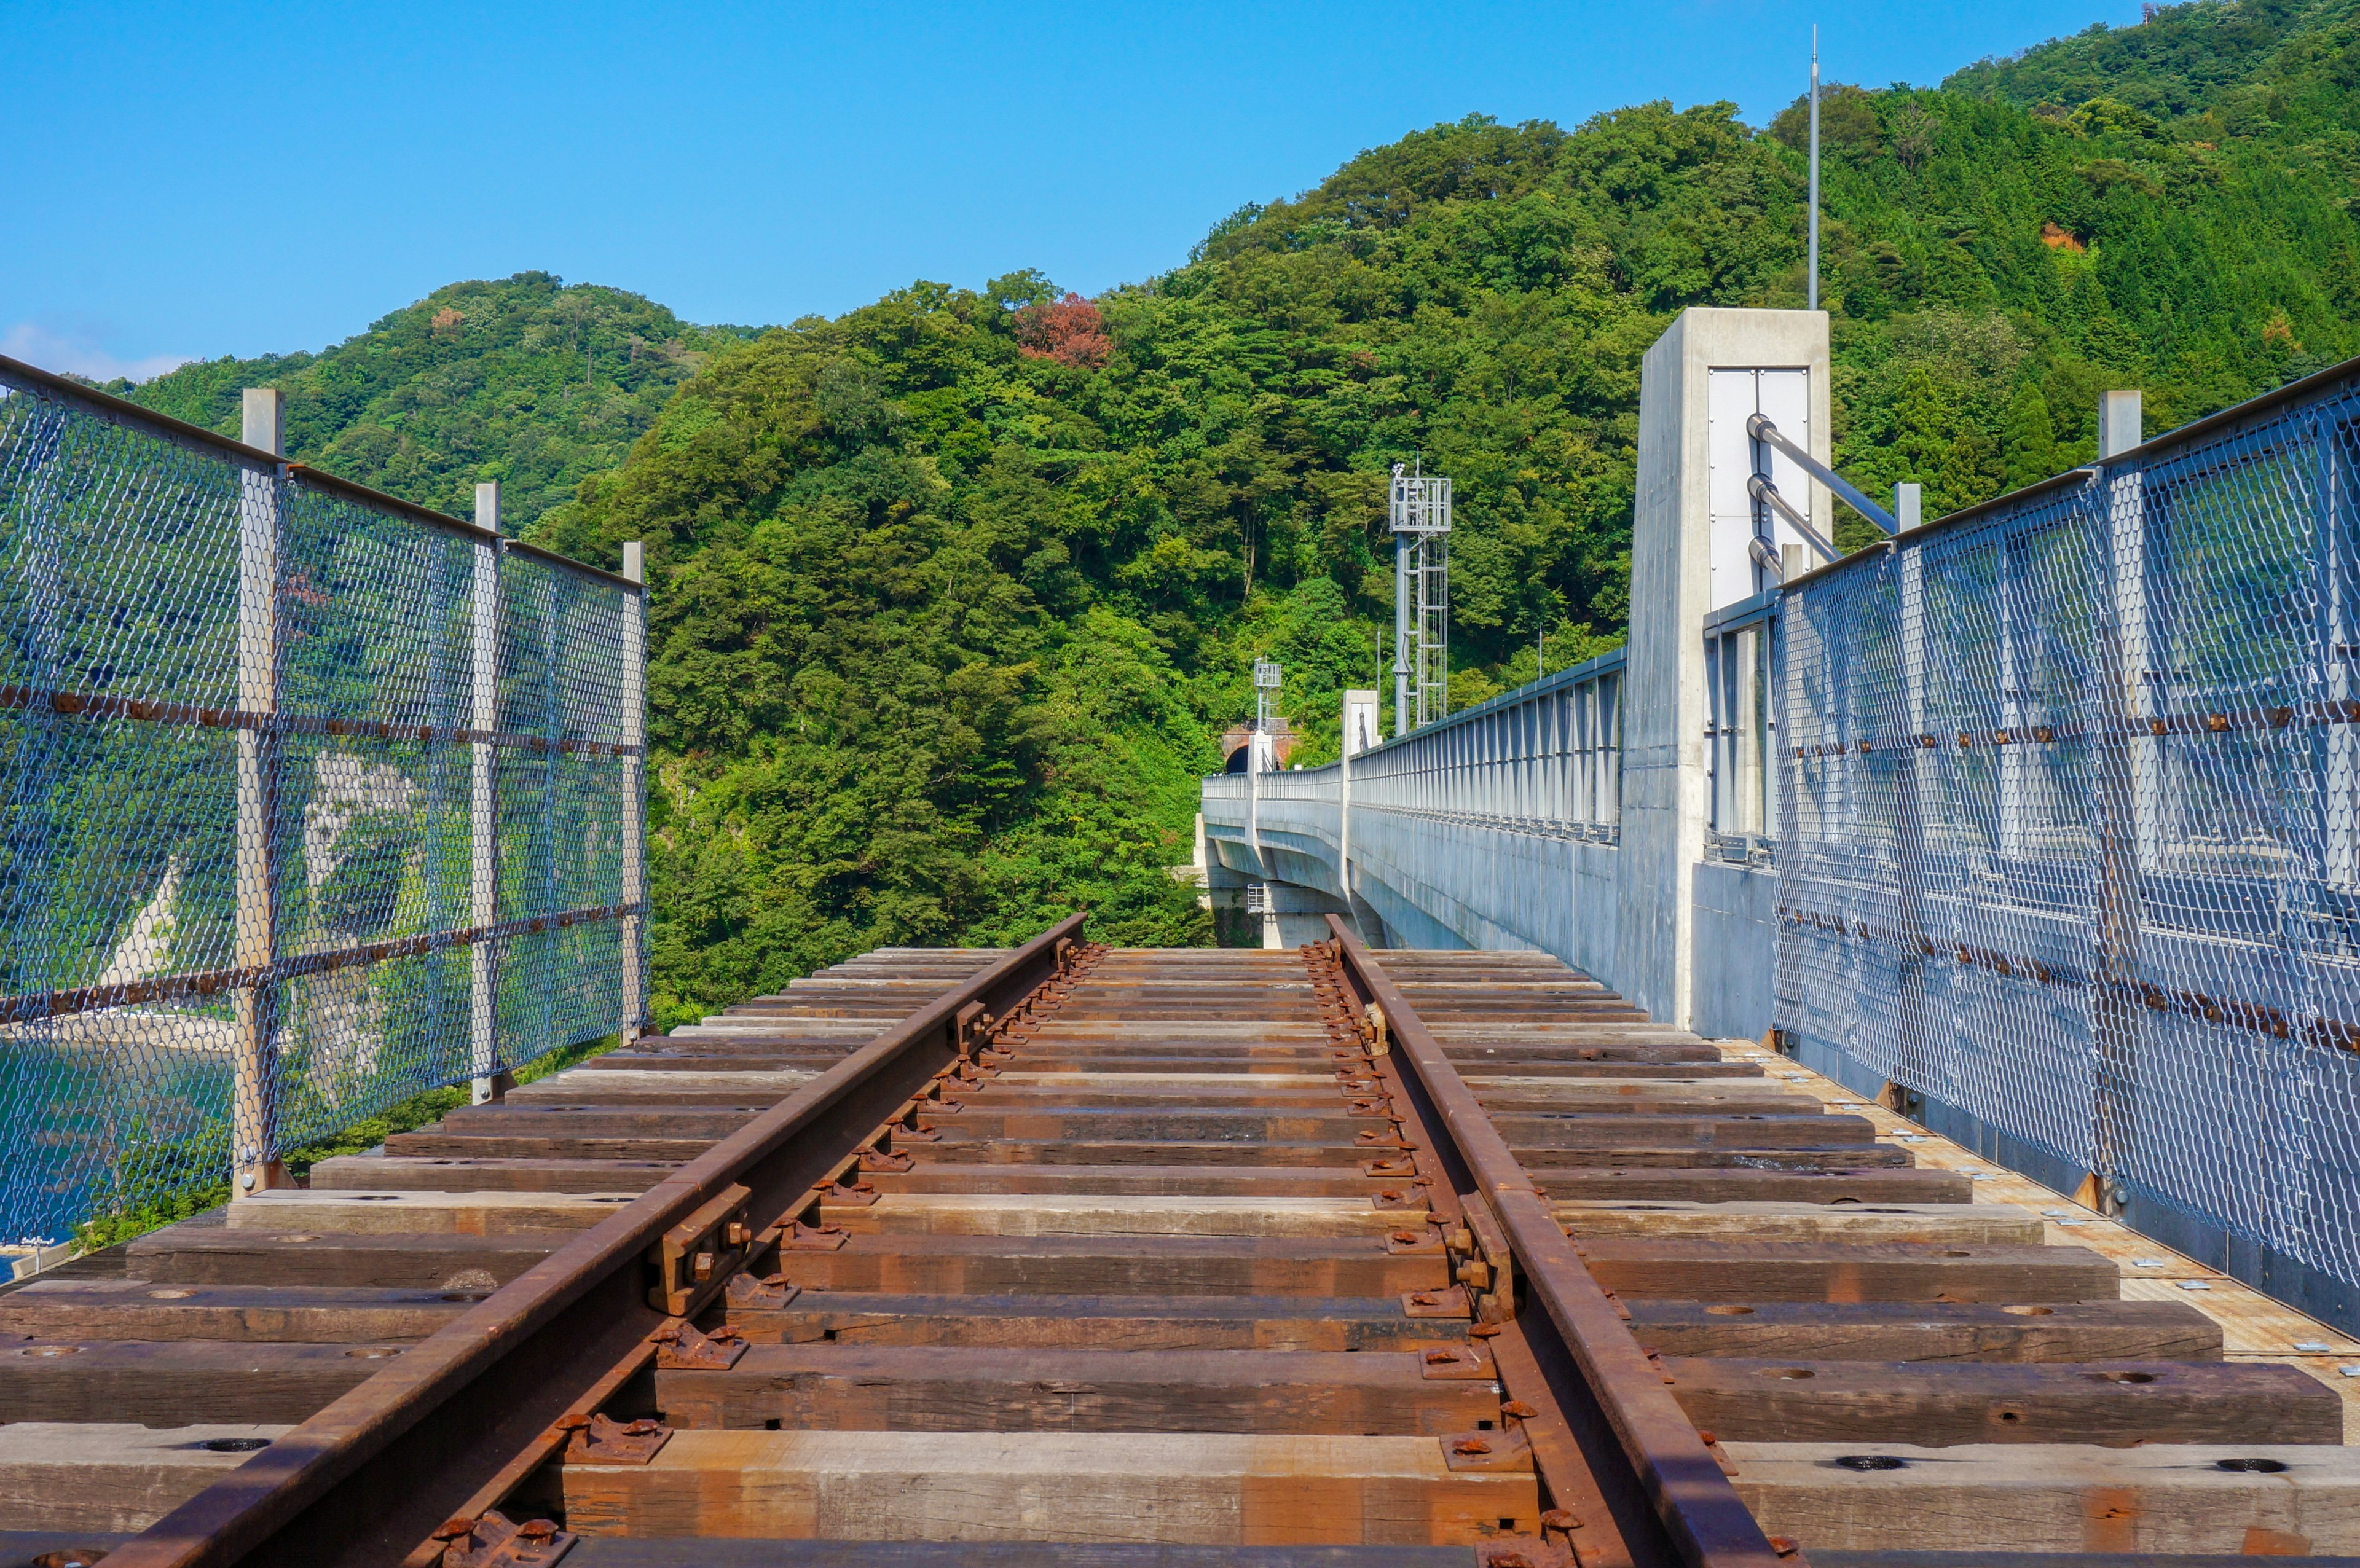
(635, 776)
(254, 1091)
(2113, 1006)
(1927, 1037)
(483, 804)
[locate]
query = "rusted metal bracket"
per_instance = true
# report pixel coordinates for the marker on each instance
(597, 1439)
(1507, 1449)
(1446, 1303)
(681, 1347)
(768, 1293)
(1522, 1552)
(1488, 1268)
(803, 1238)
(855, 1194)
(1420, 1243)
(711, 1242)
(879, 1160)
(492, 1541)
(1457, 1363)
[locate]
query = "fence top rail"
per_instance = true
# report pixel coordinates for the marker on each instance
(2236, 420)
(2237, 416)
(16, 373)
(1743, 614)
(1608, 663)
(1820, 573)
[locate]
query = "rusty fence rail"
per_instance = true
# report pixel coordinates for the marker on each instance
(310, 799)
(2068, 827)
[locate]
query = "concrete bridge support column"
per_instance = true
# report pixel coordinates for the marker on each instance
(1694, 459)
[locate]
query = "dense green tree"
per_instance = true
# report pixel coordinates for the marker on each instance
(2028, 442)
(525, 380)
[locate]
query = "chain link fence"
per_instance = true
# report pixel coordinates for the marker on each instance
(310, 800)
(2069, 818)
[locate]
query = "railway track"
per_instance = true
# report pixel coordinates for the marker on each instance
(1068, 1256)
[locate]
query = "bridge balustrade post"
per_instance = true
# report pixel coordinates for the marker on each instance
(253, 1089)
(483, 799)
(2124, 763)
(635, 790)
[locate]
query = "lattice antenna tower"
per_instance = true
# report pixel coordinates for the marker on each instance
(1421, 522)
(1266, 684)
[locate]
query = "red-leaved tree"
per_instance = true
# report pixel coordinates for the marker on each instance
(1070, 332)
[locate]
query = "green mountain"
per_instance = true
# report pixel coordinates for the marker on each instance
(953, 594)
(524, 380)
(2253, 68)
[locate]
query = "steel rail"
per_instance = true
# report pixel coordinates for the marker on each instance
(1706, 1524)
(369, 1478)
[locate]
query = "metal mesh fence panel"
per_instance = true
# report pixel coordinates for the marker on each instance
(308, 801)
(2071, 819)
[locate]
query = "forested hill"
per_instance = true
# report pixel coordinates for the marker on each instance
(525, 380)
(953, 592)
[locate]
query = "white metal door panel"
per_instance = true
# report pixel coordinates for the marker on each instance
(1731, 396)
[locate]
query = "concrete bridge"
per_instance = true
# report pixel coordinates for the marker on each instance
(2039, 821)
(1603, 813)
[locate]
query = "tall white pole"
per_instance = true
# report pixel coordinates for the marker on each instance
(1815, 168)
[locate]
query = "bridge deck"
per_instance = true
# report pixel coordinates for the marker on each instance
(1184, 1258)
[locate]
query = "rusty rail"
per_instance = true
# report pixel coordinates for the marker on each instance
(1695, 1516)
(372, 1476)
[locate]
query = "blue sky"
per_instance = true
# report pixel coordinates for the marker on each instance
(194, 180)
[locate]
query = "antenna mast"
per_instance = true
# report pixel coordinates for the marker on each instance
(1420, 524)
(1815, 169)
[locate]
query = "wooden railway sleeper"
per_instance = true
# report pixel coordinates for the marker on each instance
(706, 1256)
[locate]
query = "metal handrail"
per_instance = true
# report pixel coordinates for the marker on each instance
(1759, 427)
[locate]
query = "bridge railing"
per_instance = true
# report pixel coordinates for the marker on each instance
(1544, 758)
(310, 800)
(1740, 652)
(2070, 822)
